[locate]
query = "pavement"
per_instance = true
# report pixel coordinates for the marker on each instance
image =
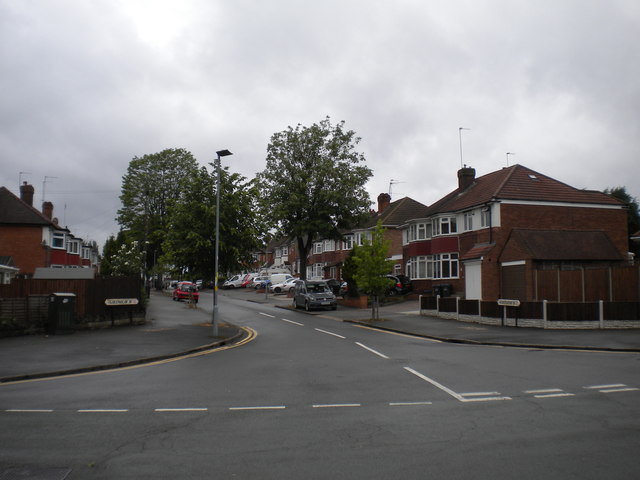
(173, 329)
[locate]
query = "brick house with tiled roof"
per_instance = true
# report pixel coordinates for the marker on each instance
(326, 257)
(34, 239)
(486, 239)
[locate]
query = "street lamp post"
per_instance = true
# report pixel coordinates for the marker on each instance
(214, 314)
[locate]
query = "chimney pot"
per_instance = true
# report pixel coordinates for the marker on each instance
(26, 193)
(466, 176)
(47, 209)
(384, 200)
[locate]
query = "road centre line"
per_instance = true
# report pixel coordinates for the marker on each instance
(479, 394)
(405, 404)
(275, 407)
(616, 390)
(455, 395)
(103, 410)
(600, 387)
(372, 350)
(198, 409)
(337, 405)
(554, 395)
(291, 321)
(330, 333)
(267, 315)
(545, 390)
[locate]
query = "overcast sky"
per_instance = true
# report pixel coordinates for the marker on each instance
(89, 84)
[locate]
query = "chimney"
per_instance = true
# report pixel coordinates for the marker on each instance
(466, 176)
(26, 193)
(384, 200)
(47, 209)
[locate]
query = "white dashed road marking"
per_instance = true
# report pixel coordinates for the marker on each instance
(291, 321)
(330, 333)
(372, 350)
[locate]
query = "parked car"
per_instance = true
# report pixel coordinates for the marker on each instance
(233, 282)
(248, 279)
(186, 291)
(285, 286)
(313, 294)
(198, 284)
(401, 285)
(334, 285)
(279, 277)
(259, 282)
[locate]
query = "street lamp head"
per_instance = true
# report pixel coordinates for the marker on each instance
(223, 153)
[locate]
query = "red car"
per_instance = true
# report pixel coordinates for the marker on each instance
(186, 291)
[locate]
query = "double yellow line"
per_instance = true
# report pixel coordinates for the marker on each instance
(251, 334)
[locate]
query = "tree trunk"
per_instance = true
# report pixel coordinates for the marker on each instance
(302, 255)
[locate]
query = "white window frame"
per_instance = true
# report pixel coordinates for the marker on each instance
(329, 245)
(347, 242)
(60, 243)
(432, 267)
(485, 217)
(73, 247)
(468, 221)
(317, 247)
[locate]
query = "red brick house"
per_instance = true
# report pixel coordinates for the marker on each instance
(326, 258)
(34, 239)
(488, 238)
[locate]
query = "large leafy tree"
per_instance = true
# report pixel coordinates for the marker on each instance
(189, 245)
(372, 264)
(314, 182)
(151, 183)
(633, 214)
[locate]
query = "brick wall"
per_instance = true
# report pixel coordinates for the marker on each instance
(24, 244)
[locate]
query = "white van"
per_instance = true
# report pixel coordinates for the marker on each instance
(279, 278)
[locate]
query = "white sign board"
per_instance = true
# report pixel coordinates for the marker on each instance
(505, 302)
(120, 301)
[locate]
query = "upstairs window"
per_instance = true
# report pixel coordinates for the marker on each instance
(347, 242)
(485, 217)
(468, 221)
(317, 247)
(73, 247)
(57, 241)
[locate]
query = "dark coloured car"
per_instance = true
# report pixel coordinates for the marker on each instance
(313, 294)
(334, 285)
(186, 291)
(401, 285)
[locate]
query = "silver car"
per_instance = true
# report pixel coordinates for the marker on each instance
(313, 294)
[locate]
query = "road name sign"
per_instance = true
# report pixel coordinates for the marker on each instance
(121, 301)
(505, 302)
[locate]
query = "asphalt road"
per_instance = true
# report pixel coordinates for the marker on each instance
(313, 398)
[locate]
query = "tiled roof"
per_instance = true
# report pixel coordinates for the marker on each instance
(14, 211)
(397, 213)
(478, 251)
(566, 245)
(517, 183)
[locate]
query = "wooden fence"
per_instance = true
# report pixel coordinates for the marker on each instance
(542, 314)
(24, 303)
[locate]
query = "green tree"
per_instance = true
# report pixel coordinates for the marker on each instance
(110, 253)
(314, 184)
(190, 241)
(349, 270)
(372, 264)
(633, 214)
(128, 260)
(150, 185)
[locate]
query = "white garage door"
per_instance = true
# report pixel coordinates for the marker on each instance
(473, 280)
